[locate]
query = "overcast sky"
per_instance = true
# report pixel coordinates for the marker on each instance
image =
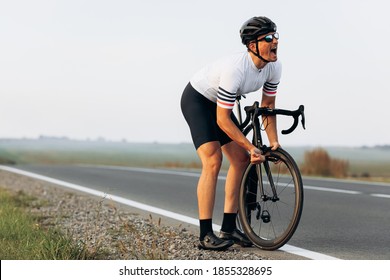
(116, 69)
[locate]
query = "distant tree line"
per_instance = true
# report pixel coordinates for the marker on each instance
(381, 147)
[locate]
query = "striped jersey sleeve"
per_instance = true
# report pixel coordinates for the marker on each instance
(225, 99)
(270, 89)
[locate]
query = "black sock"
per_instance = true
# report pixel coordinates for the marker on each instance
(205, 227)
(229, 222)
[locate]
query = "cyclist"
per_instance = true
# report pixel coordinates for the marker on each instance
(207, 104)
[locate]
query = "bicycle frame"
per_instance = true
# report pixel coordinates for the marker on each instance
(258, 142)
(253, 113)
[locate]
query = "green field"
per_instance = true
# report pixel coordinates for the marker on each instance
(371, 162)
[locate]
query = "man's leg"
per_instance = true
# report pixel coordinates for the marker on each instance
(211, 156)
(239, 159)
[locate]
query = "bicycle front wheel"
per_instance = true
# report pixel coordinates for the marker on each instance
(271, 200)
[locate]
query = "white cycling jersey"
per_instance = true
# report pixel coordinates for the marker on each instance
(222, 81)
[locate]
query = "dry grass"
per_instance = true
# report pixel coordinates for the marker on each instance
(317, 162)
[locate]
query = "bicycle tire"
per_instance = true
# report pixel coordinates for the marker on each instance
(270, 224)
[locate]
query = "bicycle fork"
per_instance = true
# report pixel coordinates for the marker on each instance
(257, 141)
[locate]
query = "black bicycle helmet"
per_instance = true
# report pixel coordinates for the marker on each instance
(255, 27)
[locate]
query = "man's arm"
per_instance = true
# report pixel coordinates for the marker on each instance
(270, 122)
(225, 122)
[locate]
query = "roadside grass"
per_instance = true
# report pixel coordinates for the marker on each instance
(23, 238)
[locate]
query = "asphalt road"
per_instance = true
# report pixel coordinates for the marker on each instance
(341, 219)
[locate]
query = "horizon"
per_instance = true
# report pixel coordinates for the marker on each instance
(125, 141)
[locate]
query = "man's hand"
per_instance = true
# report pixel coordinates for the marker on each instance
(256, 156)
(274, 145)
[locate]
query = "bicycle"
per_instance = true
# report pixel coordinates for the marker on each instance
(271, 193)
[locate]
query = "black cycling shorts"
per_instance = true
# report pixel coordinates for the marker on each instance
(201, 116)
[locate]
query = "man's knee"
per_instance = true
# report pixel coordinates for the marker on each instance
(240, 160)
(213, 163)
(211, 156)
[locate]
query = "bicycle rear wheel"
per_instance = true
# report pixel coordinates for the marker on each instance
(268, 220)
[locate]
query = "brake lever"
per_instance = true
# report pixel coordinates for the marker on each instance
(302, 110)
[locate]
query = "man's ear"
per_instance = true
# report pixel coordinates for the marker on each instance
(252, 46)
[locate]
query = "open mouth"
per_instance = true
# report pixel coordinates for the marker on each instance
(274, 50)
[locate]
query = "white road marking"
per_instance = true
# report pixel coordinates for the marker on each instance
(380, 195)
(306, 187)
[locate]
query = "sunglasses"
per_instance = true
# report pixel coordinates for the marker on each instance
(269, 38)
